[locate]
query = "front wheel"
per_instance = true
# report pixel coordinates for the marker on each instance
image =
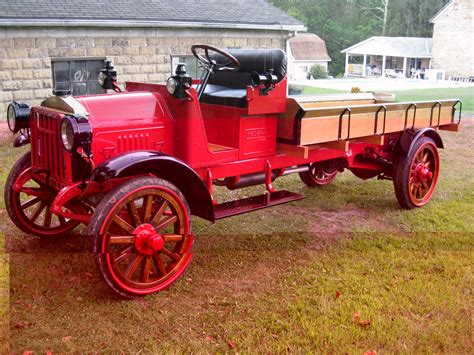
(142, 236)
(416, 175)
(318, 176)
(29, 207)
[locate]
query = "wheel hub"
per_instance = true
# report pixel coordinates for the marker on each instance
(147, 241)
(422, 173)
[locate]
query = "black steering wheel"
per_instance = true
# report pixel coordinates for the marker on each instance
(211, 63)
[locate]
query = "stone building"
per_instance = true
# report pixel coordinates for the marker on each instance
(453, 33)
(62, 43)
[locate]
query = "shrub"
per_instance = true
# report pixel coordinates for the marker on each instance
(295, 90)
(318, 72)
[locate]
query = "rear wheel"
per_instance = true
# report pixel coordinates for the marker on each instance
(142, 236)
(318, 175)
(29, 205)
(416, 175)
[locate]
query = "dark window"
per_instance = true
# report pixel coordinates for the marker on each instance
(415, 63)
(391, 63)
(78, 75)
(192, 66)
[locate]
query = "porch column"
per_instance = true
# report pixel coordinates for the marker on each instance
(364, 68)
(347, 64)
(383, 65)
(404, 67)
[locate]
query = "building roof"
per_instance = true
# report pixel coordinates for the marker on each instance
(245, 14)
(308, 47)
(410, 47)
(441, 11)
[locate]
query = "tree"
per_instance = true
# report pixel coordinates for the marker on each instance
(317, 71)
(343, 23)
(381, 13)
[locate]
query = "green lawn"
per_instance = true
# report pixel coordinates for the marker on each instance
(466, 95)
(309, 90)
(344, 270)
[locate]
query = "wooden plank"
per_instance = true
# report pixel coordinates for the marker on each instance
(378, 140)
(217, 147)
(453, 127)
(286, 120)
(337, 145)
(309, 105)
(333, 97)
(321, 124)
(296, 151)
(333, 111)
(322, 129)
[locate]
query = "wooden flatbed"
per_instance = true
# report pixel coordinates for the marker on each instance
(335, 118)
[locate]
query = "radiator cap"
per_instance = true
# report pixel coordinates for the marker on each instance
(62, 93)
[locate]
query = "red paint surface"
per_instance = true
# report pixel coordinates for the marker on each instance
(146, 117)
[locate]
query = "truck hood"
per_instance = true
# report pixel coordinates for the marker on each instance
(119, 110)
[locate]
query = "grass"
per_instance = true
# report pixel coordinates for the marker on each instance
(268, 281)
(397, 285)
(466, 95)
(4, 303)
(309, 90)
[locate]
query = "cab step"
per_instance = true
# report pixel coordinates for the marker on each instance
(249, 204)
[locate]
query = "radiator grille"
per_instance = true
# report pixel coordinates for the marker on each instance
(48, 155)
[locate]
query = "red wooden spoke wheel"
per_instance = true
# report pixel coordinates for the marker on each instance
(417, 174)
(142, 236)
(318, 175)
(28, 203)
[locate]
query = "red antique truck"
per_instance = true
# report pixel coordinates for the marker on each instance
(135, 165)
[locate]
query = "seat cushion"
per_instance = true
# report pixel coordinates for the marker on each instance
(211, 88)
(259, 60)
(226, 97)
(230, 88)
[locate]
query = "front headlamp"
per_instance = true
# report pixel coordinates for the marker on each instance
(101, 79)
(76, 131)
(178, 84)
(18, 116)
(171, 85)
(108, 76)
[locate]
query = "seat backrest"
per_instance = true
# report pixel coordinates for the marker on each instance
(259, 60)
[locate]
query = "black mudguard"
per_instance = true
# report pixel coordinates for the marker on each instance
(164, 167)
(409, 138)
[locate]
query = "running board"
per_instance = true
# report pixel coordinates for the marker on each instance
(249, 204)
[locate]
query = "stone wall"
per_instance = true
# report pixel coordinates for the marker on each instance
(138, 54)
(453, 47)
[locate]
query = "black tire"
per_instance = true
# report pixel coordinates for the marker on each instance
(21, 219)
(100, 228)
(318, 176)
(411, 190)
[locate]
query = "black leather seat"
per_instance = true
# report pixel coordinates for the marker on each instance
(229, 88)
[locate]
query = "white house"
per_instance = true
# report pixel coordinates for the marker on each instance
(305, 50)
(399, 57)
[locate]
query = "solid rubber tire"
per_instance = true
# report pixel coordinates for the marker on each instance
(102, 211)
(401, 175)
(307, 179)
(21, 164)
